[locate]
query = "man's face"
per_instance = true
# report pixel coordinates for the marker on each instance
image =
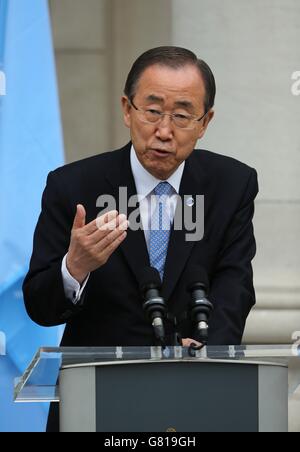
(162, 147)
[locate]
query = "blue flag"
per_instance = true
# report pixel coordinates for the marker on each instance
(30, 146)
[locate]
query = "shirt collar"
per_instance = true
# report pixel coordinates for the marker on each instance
(145, 183)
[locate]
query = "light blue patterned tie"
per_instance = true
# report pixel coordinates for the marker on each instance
(160, 228)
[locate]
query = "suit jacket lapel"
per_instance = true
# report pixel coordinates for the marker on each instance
(192, 184)
(134, 246)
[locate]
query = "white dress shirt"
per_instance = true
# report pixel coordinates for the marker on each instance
(145, 184)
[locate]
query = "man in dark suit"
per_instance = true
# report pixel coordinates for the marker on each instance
(84, 271)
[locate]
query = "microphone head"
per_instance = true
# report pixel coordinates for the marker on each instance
(149, 278)
(197, 276)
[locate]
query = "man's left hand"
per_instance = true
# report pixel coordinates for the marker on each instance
(187, 342)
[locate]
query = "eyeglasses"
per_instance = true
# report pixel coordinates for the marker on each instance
(152, 116)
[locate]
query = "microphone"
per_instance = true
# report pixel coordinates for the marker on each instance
(200, 306)
(154, 304)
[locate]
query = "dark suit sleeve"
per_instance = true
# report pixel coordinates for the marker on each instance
(43, 289)
(232, 291)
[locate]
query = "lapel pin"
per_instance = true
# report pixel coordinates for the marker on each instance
(190, 201)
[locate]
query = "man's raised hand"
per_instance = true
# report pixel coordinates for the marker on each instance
(92, 244)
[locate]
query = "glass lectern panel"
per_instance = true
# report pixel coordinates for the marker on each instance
(40, 380)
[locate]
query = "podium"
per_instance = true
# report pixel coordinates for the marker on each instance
(150, 389)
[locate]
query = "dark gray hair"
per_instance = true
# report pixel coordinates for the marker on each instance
(175, 58)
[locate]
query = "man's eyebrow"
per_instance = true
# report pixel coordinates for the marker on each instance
(154, 98)
(184, 104)
(178, 103)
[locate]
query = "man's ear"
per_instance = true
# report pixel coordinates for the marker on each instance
(205, 123)
(126, 107)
